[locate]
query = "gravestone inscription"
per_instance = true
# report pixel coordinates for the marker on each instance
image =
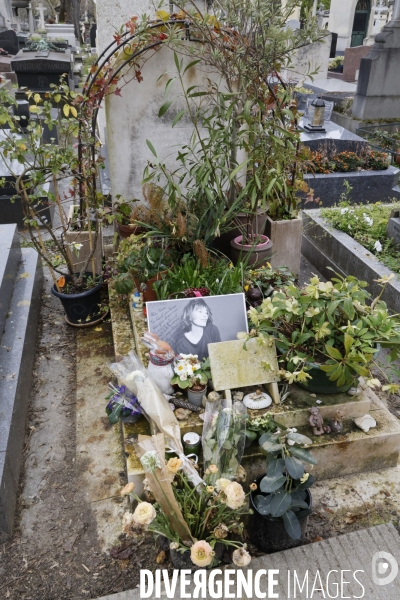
(38, 70)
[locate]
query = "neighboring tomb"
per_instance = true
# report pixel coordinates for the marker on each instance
(42, 66)
(9, 41)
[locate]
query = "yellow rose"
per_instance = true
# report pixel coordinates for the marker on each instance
(235, 496)
(144, 513)
(174, 465)
(128, 489)
(201, 554)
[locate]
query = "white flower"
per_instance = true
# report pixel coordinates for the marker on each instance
(235, 496)
(217, 281)
(75, 246)
(222, 483)
(378, 246)
(135, 376)
(291, 442)
(305, 477)
(344, 211)
(151, 461)
(144, 513)
(241, 558)
(368, 220)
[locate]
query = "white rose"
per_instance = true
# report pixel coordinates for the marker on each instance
(221, 484)
(241, 557)
(235, 496)
(144, 513)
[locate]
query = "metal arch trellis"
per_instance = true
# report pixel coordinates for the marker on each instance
(114, 47)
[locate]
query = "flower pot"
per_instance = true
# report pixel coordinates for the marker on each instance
(269, 535)
(255, 255)
(149, 295)
(82, 308)
(320, 384)
(286, 236)
(127, 230)
(196, 396)
(257, 222)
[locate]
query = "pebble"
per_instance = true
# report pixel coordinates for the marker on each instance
(213, 397)
(354, 391)
(365, 423)
(182, 414)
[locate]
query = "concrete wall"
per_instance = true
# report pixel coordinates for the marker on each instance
(310, 58)
(6, 12)
(133, 118)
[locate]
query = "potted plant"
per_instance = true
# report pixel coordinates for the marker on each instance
(246, 147)
(140, 262)
(328, 333)
(42, 163)
(212, 513)
(281, 498)
(192, 375)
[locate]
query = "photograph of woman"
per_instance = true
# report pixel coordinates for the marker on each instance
(188, 325)
(197, 329)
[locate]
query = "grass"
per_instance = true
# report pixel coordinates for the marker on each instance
(367, 224)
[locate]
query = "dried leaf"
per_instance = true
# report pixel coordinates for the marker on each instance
(122, 552)
(318, 538)
(161, 557)
(329, 510)
(24, 275)
(98, 329)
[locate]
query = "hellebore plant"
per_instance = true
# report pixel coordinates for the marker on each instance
(334, 324)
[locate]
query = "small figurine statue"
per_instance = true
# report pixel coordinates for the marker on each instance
(317, 422)
(336, 424)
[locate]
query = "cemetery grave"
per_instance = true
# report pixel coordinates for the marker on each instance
(172, 384)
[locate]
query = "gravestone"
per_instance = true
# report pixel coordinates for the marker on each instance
(9, 41)
(62, 30)
(38, 70)
(335, 139)
(378, 88)
(93, 35)
(393, 227)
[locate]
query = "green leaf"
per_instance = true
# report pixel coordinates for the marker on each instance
(178, 117)
(349, 308)
(303, 455)
(177, 63)
(169, 85)
(280, 503)
(275, 467)
(238, 168)
(262, 504)
(333, 352)
(292, 525)
(307, 484)
(115, 414)
(164, 108)
(297, 503)
(190, 65)
(348, 342)
(299, 438)
(150, 145)
(271, 484)
(294, 467)
(271, 447)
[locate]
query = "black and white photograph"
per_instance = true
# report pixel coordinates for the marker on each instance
(190, 324)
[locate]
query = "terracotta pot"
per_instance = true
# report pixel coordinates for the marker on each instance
(396, 158)
(127, 230)
(149, 295)
(255, 255)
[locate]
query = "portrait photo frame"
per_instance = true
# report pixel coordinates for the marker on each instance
(170, 319)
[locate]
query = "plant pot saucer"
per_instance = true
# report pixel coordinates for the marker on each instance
(257, 403)
(81, 325)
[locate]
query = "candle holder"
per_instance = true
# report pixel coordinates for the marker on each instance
(317, 124)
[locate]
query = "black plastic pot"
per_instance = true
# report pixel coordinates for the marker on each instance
(82, 308)
(269, 535)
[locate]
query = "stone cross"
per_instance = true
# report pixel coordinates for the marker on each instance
(41, 10)
(30, 19)
(379, 8)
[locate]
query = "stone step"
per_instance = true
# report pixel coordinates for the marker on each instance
(16, 362)
(349, 558)
(10, 258)
(349, 452)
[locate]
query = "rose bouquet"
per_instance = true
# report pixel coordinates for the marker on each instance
(190, 372)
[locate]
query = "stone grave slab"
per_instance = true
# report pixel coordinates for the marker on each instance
(61, 30)
(5, 64)
(37, 73)
(93, 35)
(234, 367)
(336, 138)
(9, 41)
(10, 257)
